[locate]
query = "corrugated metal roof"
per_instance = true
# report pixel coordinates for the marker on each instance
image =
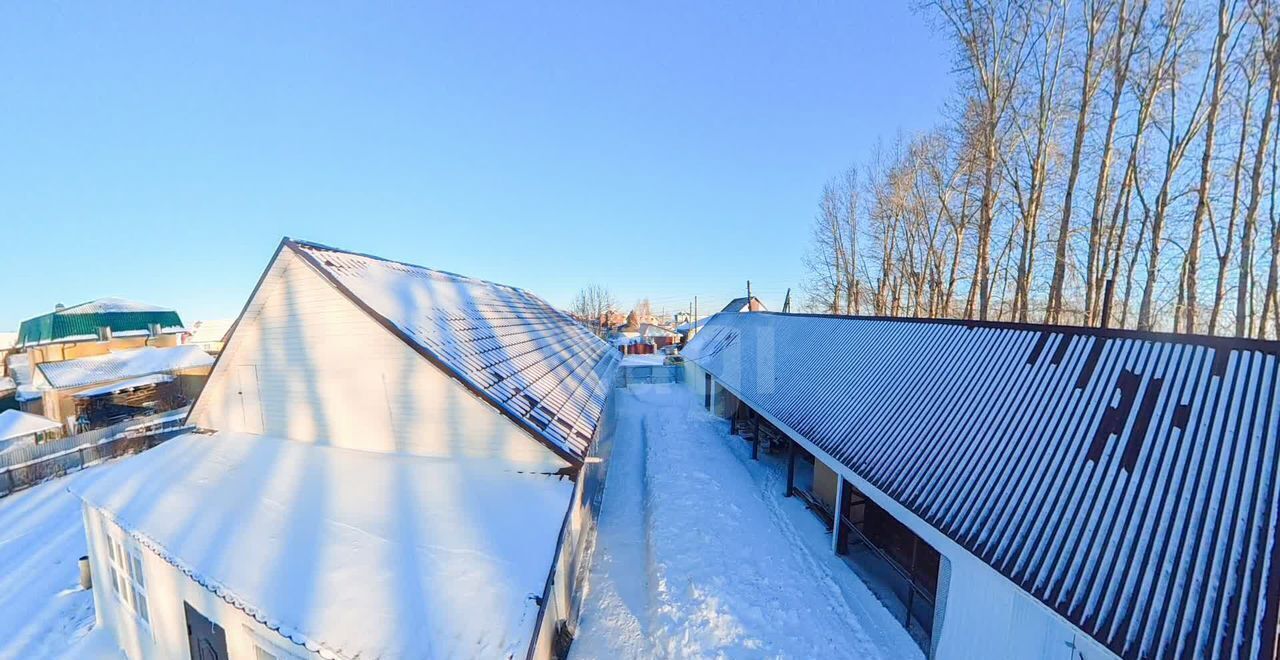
(122, 364)
(1128, 481)
(82, 321)
(527, 358)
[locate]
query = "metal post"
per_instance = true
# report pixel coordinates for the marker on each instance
(911, 581)
(1106, 303)
(838, 544)
(791, 467)
(755, 436)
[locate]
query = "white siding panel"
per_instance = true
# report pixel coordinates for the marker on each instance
(328, 373)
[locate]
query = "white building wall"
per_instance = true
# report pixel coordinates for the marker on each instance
(307, 364)
(987, 616)
(167, 589)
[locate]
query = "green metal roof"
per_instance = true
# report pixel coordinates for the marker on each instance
(82, 321)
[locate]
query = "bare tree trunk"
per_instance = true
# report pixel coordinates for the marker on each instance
(1094, 18)
(1122, 53)
(1270, 51)
(1269, 296)
(1226, 250)
(1225, 19)
(1175, 40)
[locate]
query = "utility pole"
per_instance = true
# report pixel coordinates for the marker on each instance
(695, 314)
(748, 295)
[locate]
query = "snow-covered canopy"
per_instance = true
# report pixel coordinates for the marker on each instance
(15, 424)
(120, 386)
(122, 364)
(359, 554)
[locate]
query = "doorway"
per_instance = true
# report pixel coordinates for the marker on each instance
(250, 404)
(206, 639)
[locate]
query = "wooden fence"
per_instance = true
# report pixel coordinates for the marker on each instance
(27, 466)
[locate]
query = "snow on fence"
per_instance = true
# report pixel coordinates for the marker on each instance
(26, 466)
(646, 374)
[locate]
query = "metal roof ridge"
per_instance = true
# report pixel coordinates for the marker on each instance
(1270, 346)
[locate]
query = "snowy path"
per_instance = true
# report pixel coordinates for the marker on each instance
(43, 611)
(700, 556)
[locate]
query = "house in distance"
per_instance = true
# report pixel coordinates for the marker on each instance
(393, 461)
(103, 361)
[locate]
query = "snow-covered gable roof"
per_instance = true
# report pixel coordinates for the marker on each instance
(15, 424)
(1127, 480)
(111, 306)
(351, 554)
(542, 369)
(690, 325)
(651, 330)
(744, 304)
(122, 364)
(211, 331)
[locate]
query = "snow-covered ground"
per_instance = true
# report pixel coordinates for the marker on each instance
(700, 556)
(43, 611)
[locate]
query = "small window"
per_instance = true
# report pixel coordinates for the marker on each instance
(265, 648)
(137, 570)
(111, 544)
(125, 569)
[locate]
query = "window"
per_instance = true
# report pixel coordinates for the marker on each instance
(267, 649)
(125, 570)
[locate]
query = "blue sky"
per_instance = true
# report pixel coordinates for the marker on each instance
(660, 149)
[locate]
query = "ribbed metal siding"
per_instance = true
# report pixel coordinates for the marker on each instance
(1129, 484)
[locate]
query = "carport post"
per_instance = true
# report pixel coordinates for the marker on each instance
(838, 538)
(791, 467)
(755, 436)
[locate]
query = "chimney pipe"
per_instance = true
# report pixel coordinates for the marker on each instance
(1106, 303)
